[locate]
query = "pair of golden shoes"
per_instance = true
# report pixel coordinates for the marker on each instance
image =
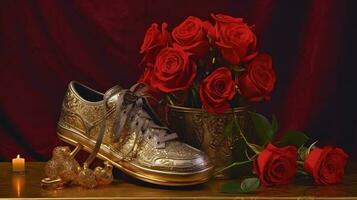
(119, 126)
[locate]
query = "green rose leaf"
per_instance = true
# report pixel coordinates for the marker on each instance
(295, 138)
(263, 128)
(250, 185)
(230, 128)
(231, 187)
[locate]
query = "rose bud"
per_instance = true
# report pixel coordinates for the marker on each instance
(276, 166)
(154, 41)
(326, 165)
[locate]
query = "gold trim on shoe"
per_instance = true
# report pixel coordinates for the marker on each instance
(151, 176)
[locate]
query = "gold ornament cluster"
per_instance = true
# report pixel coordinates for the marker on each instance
(63, 170)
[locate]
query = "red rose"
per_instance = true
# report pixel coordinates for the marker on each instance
(257, 82)
(276, 166)
(173, 70)
(154, 41)
(191, 35)
(234, 39)
(216, 90)
(326, 165)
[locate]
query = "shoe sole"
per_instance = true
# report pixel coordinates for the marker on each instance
(158, 177)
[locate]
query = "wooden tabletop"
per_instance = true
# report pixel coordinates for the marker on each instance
(28, 186)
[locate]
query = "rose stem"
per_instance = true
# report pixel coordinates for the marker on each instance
(232, 165)
(242, 135)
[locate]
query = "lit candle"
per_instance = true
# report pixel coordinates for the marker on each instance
(18, 164)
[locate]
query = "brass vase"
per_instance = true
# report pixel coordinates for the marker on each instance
(205, 131)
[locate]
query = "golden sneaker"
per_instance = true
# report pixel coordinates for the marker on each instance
(121, 127)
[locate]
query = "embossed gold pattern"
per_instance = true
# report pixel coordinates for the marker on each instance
(205, 131)
(139, 155)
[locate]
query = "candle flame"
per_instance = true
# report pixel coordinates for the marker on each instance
(18, 155)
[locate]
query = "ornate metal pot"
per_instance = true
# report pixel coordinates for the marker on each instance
(205, 131)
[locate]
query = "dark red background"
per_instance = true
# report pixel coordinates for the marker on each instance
(45, 44)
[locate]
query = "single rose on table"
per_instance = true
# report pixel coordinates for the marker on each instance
(276, 165)
(326, 165)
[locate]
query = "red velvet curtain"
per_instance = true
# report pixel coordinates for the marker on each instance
(45, 44)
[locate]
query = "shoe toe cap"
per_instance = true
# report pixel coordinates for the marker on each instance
(184, 158)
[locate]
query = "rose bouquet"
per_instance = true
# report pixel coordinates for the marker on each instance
(203, 65)
(217, 67)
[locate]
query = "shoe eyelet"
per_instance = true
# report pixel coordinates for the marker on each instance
(137, 123)
(157, 143)
(149, 137)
